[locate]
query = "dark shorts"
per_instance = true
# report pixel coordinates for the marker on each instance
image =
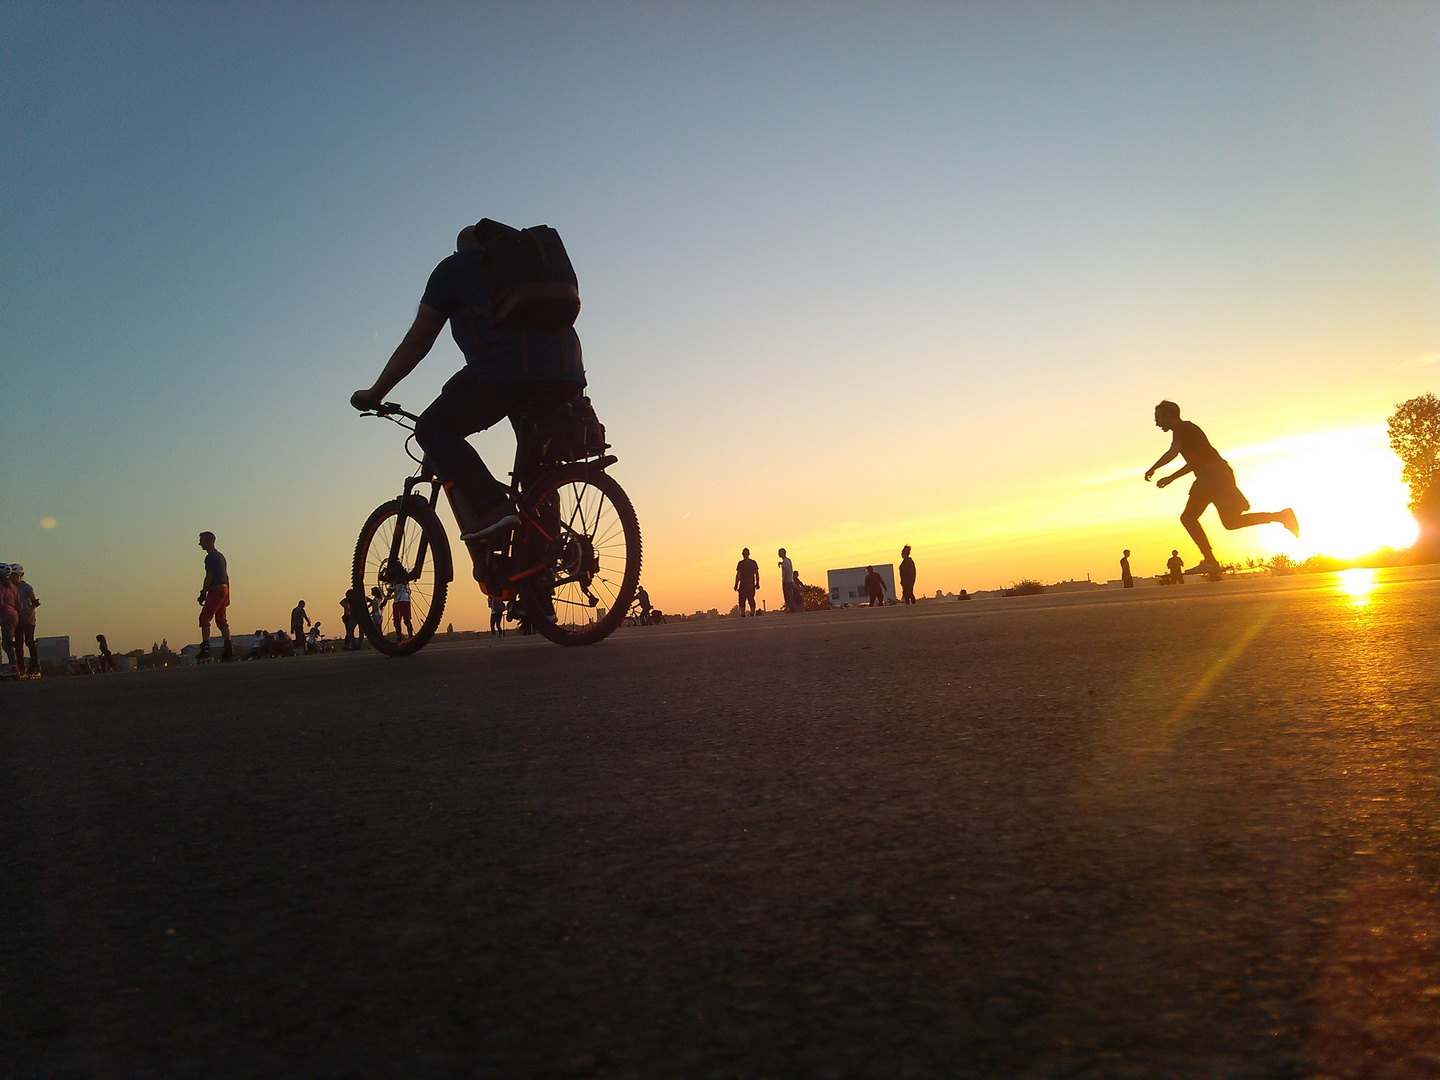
(1218, 488)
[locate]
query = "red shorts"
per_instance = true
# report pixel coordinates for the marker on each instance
(216, 601)
(401, 609)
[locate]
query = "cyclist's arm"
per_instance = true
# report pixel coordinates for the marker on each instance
(418, 341)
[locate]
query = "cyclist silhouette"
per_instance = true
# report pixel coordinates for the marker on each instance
(507, 372)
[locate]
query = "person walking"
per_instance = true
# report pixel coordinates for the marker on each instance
(1214, 483)
(107, 661)
(1126, 581)
(299, 619)
(214, 598)
(874, 587)
(787, 580)
(747, 581)
(907, 576)
(25, 623)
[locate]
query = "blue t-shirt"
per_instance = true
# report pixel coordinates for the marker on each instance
(457, 289)
(215, 569)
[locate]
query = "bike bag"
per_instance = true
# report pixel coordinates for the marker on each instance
(532, 284)
(569, 432)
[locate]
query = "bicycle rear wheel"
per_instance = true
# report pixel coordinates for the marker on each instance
(579, 551)
(381, 564)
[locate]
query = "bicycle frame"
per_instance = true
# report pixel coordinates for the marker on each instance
(444, 566)
(526, 474)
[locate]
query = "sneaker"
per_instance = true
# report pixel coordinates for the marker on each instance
(1287, 518)
(1205, 566)
(491, 521)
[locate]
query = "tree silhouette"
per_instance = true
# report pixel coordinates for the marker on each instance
(814, 598)
(1414, 431)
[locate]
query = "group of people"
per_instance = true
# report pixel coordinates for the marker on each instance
(747, 582)
(17, 623)
(1174, 570)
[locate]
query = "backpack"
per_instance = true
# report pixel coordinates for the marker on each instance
(569, 432)
(532, 284)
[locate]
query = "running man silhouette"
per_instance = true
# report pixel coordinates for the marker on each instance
(1214, 483)
(747, 581)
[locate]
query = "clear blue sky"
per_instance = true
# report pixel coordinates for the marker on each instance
(844, 267)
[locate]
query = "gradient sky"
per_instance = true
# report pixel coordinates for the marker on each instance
(854, 276)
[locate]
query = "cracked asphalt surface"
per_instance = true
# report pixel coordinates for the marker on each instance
(1174, 832)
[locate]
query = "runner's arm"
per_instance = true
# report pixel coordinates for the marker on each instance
(1164, 459)
(418, 341)
(1166, 480)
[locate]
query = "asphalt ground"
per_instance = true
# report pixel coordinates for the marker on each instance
(1186, 832)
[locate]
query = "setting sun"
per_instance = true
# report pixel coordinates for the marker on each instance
(1345, 488)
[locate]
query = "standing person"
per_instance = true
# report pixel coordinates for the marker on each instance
(1176, 566)
(400, 610)
(508, 372)
(907, 575)
(747, 581)
(1214, 483)
(377, 609)
(9, 616)
(1126, 581)
(497, 617)
(787, 580)
(874, 587)
(214, 598)
(352, 623)
(299, 619)
(25, 622)
(107, 661)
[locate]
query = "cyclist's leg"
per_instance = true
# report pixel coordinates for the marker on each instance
(463, 408)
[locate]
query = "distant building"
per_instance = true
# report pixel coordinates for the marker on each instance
(848, 586)
(55, 650)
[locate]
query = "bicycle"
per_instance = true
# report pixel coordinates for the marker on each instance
(572, 561)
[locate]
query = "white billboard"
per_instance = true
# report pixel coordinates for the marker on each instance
(847, 587)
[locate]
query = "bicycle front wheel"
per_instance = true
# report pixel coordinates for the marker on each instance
(392, 551)
(579, 552)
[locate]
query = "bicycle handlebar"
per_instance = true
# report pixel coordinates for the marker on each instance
(389, 410)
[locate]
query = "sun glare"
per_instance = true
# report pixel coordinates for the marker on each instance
(1357, 585)
(1345, 488)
